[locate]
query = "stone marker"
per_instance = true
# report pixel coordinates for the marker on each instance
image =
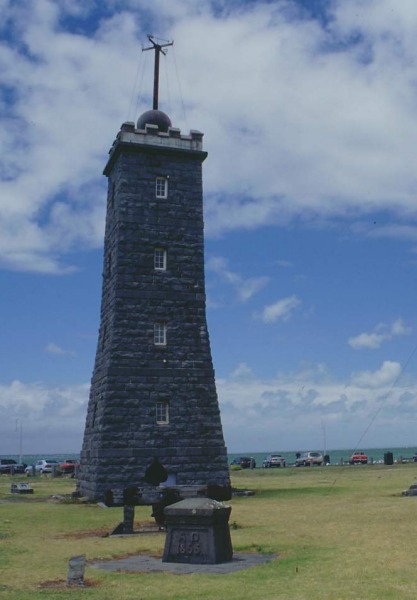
(128, 518)
(76, 568)
(412, 490)
(21, 488)
(198, 532)
(126, 526)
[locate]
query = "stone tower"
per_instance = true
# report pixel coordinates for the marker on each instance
(153, 390)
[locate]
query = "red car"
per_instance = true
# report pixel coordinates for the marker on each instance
(245, 462)
(68, 466)
(358, 458)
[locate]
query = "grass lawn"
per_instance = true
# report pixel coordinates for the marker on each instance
(338, 532)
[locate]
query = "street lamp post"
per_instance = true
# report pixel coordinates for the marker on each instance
(19, 429)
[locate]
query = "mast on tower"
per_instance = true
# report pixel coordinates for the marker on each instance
(159, 48)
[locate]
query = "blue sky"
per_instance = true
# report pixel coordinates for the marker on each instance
(309, 114)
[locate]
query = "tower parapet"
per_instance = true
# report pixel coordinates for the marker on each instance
(151, 135)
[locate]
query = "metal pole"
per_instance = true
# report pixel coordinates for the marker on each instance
(19, 429)
(20, 442)
(156, 78)
(158, 49)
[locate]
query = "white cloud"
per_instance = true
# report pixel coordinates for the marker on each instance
(280, 310)
(397, 231)
(384, 376)
(398, 328)
(242, 372)
(250, 287)
(53, 348)
(334, 135)
(245, 288)
(55, 138)
(382, 333)
(368, 340)
(287, 412)
(285, 264)
(52, 417)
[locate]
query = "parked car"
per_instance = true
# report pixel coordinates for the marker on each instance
(8, 465)
(42, 466)
(68, 466)
(273, 460)
(358, 458)
(244, 462)
(308, 459)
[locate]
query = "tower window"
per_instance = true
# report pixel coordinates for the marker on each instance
(160, 259)
(160, 333)
(162, 412)
(161, 187)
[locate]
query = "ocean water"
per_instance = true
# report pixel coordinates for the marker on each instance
(375, 455)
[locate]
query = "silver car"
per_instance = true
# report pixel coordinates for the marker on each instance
(273, 460)
(308, 459)
(42, 466)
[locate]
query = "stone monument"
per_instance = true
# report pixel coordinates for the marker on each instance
(198, 532)
(153, 393)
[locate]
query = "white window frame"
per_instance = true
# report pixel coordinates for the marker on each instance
(162, 412)
(161, 187)
(160, 259)
(160, 333)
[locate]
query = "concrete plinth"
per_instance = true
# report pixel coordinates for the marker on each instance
(198, 532)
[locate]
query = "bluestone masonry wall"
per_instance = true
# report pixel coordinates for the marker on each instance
(132, 373)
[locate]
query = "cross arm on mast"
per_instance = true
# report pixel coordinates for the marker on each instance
(158, 49)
